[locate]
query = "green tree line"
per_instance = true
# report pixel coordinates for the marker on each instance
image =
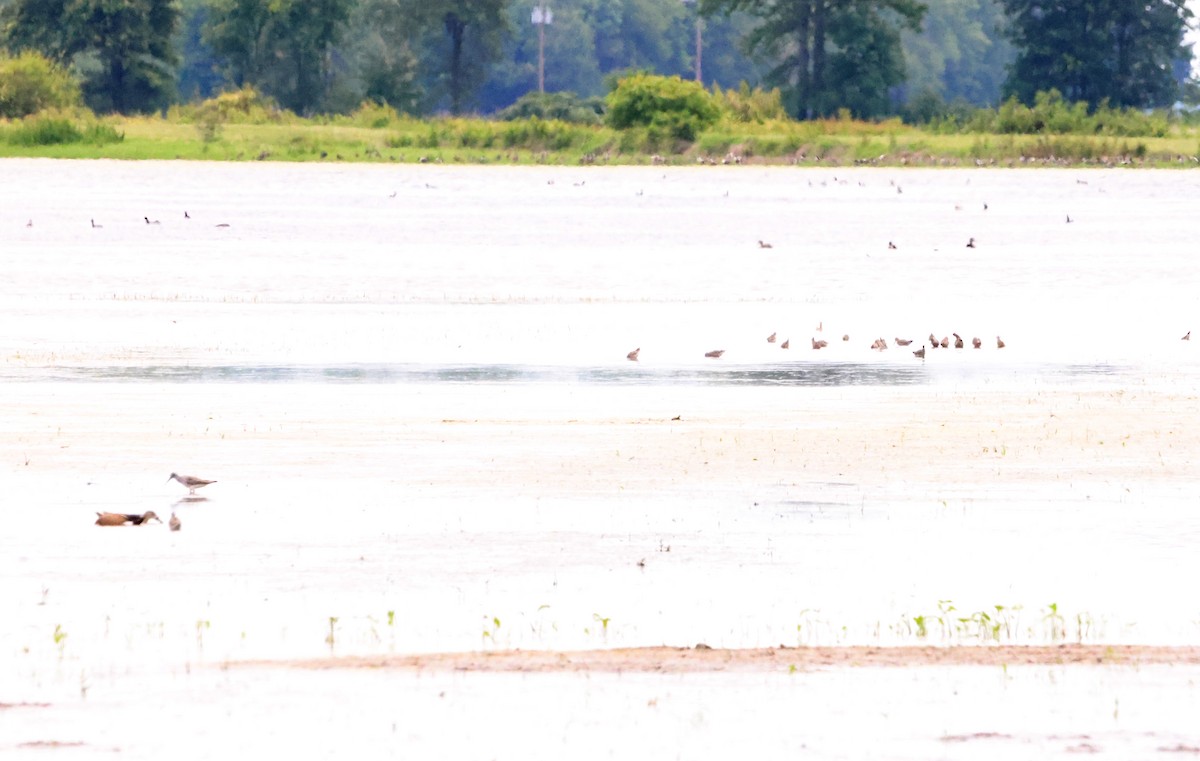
(869, 58)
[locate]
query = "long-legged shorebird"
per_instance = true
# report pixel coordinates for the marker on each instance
(120, 519)
(174, 523)
(191, 482)
(633, 355)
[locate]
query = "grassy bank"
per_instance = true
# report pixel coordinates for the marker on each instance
(360, 138)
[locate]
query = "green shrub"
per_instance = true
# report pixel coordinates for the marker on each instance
(665, 106)
(56, 129)
(557, 106)
(244, 106)
(30, 83)
(746, 105)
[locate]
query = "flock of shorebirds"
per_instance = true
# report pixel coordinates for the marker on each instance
(148, 220)
(132, 519)
(879, 344)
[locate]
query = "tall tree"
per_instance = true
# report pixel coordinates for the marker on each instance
(961, 54)
(384, 35)
(1123, 51)
(474, 34)
(124, 48)
(823, 46)
(283, 47)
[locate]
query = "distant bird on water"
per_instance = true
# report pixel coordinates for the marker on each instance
(891, 245)
(764, 244)
(1187, 336)
(714, 354)
(919, 353)
(771, 338)
(786, 343)
(191, 482)
(174, 523)
(819, 344)
(96, 225)
(971, 243)
(151, 221)
(120, 519)
(977, 342)
(999, 342)
(186, 215)
(903, 341)
(633, 355)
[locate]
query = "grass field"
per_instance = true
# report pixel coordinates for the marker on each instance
(479, 141)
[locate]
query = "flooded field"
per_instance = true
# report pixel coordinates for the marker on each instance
(411, 387)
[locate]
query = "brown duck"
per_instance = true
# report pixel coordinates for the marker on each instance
(120, 519)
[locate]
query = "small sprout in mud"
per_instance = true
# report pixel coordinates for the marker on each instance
(1055, 621)
(391, 618)
(83, 685)
(60, 638)
(494, 623)
(922, 629)
(792, 669)
(603, 624)
(332, 623)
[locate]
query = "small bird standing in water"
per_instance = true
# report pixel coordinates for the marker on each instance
(191, 482)
(633, 355)
(1187, 336)
(174, 523)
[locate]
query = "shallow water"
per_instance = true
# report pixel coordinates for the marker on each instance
(421, 419)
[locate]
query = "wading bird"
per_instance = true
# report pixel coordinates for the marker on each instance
(191, 482)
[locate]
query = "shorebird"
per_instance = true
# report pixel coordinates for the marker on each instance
(919, 353)
(786, 343)
(191, 482)
(903, 341)
(764, 244)
(845, 337)
(1187, 336)
(819, 344)
(151, 221)
(771, 338)
(971, 243)
(958, 341)
(120, 519)
(633, 355)
(174, 523)
(189, 216)
(976, 342)
(96, 225)
(999, 342)
(945, 342)
(892, 246)
(714, 354)
(1068, 219)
